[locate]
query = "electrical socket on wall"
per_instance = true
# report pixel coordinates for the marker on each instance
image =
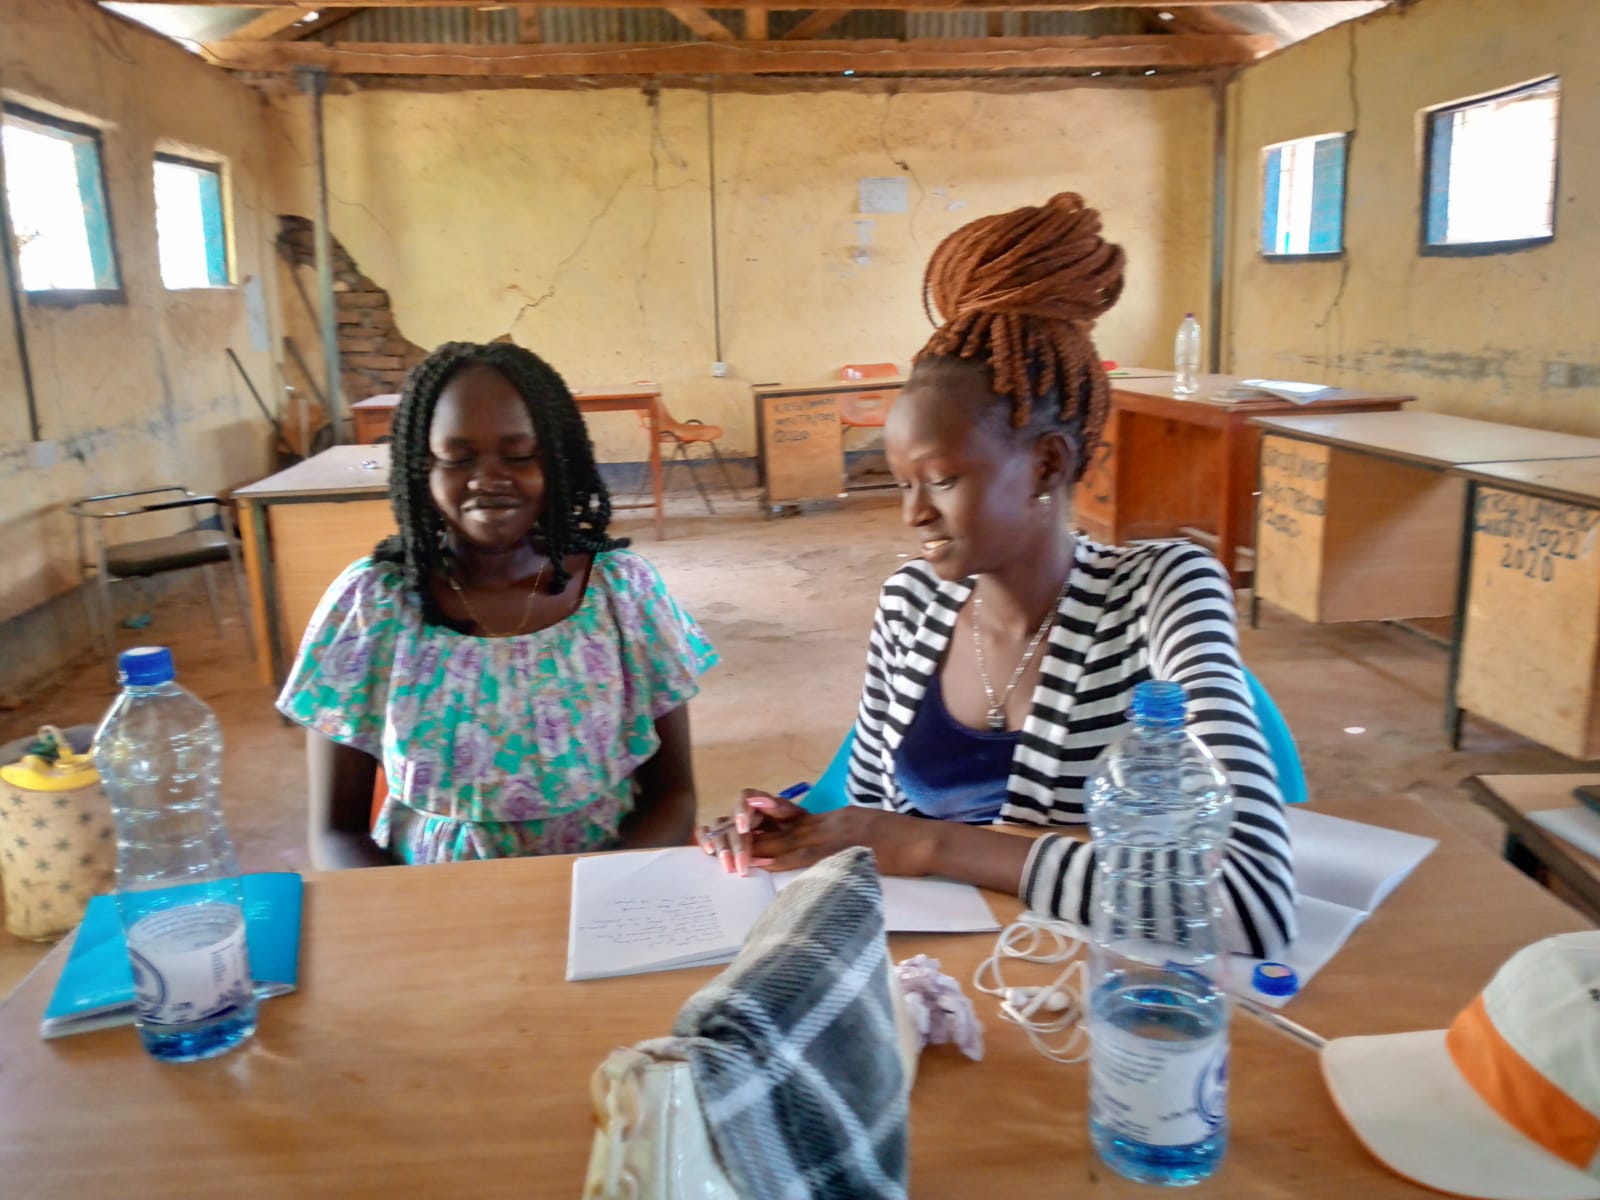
(44, 454)
(719, 370)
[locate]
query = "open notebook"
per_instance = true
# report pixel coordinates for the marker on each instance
(95, 990)
(658, 910)
(1343, 871)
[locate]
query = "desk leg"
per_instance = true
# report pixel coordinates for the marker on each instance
(253, 535)
(1227, 548)
(655, 464)
(1452, 706)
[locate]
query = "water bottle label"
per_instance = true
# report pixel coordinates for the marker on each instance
(1161, 1093)
(189, 963)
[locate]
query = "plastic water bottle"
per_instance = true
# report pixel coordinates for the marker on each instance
(159, 753)
(1159, 808)
(1186, 358)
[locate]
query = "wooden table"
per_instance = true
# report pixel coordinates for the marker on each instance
(1531, 847)
(1167, 467)
(434, 1050)
(1529, 654)
(1361, 514)
(375, 415)
(300, 528)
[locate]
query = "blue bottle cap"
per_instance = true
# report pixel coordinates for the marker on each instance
(1159, 702)
(1275, 979)
(145, 666)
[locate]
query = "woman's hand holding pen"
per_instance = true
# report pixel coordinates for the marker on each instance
(776, 833)
(732, 838)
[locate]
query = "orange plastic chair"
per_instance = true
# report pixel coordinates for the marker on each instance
(680, 435)
(866, 410)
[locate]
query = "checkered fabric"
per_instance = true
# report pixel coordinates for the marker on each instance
(795, 1049)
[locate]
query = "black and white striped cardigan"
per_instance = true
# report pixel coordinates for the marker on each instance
(1162, 611)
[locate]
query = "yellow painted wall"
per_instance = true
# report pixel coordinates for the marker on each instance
(580, 222)
(1466, 335)
(136, 393)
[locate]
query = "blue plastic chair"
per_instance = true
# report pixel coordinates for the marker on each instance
(829, 793)
(1280, 743)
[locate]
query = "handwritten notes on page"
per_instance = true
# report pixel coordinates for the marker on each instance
(657, 910)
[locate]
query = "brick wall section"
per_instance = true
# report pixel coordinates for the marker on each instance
(373, 354)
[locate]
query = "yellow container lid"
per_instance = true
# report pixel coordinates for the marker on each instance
(67, 773)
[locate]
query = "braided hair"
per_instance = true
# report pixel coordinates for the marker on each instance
(577, 506)
(1018, 293)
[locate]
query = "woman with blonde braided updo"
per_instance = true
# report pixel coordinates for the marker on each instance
(1003, 661)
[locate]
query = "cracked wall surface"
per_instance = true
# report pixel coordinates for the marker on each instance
(580, 222)
(1508, 337)
(136, 393)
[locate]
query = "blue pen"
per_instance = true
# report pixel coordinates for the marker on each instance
(794, 791)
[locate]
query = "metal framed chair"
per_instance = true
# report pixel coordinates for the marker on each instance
(206, 543)
(680, 435)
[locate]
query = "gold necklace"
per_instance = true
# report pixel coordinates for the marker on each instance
(527, 608)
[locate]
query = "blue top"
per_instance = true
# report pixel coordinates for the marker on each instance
(146, 666)
(950, 772)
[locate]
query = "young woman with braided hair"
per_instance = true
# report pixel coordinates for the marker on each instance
(1004, 660)
(522, 678)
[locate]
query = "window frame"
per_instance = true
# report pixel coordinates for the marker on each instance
(1349, 136)
(217, 167)
(72, 297)
(1431, 249)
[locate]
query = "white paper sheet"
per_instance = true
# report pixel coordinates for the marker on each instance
(1349, 862)
(1576, 826)
(924, 905)
(655, 910)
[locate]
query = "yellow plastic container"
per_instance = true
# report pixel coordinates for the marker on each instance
(57, 844)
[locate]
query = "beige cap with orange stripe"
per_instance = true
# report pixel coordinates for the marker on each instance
(1503, 1105)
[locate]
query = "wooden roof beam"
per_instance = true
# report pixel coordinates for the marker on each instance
(702, 24)
(913, 5)
(1170, 51)
(269, 24)
(820, 21)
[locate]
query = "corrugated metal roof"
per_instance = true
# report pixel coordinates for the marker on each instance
(191, 24)
(438, 25)
(583, 26)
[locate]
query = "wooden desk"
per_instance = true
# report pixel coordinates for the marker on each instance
(1529, 654)
(300, 528)
(375, 416)
(434, 1050)
(1167, 465)
(800, 439)
(1361, 514)
(1530, 846)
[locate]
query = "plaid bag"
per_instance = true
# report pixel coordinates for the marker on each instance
(801, 1058)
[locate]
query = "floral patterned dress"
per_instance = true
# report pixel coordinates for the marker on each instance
(495, 747)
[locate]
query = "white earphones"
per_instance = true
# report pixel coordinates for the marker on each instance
(1045, 1012)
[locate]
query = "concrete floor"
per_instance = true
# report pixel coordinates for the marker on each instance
(788, 604)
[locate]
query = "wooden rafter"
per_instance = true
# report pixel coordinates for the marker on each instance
(703, 24)
(914, 5)
(1183, 52)
(755, 25)
(529, 26)
(269, 24)
(820, 21)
